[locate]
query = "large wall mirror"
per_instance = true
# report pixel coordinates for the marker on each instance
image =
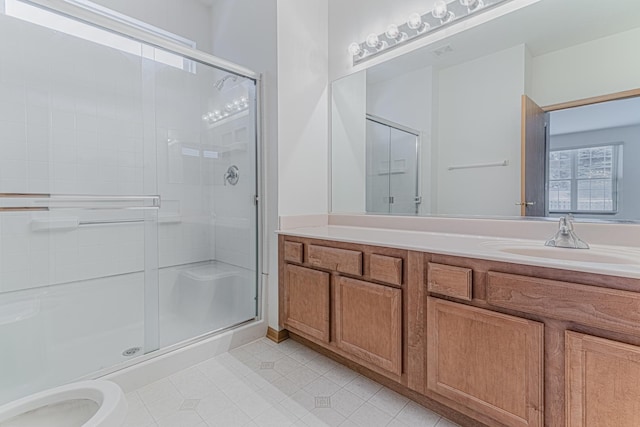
(536, 113)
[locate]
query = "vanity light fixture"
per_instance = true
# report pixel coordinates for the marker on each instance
(418, 25)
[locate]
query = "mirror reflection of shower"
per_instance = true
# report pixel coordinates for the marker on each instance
(232, 103)
(392, 153)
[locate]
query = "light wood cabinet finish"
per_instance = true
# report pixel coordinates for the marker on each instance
(610, 309)
(602, 382)
(307, 301)
(490, 362)
(368, 319)
(293, 252)
(341, 260)
(450, 281)
(386, 269)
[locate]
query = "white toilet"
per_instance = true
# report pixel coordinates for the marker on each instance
(95, 403)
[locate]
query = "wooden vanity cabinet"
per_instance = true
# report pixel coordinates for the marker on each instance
(489, 362)
(307, 301)
(486, 343)
(351, 300)
(602, 382)
(368, 322)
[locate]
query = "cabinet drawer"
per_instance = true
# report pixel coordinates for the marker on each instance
(610, 309)
(450, 281)
(293, 252)
(386, 269)
(341, 260)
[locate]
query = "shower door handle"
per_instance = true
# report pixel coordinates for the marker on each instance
(45, 202)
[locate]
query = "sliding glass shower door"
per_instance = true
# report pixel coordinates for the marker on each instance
(128, 183)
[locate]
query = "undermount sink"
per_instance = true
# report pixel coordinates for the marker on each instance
(594, 255)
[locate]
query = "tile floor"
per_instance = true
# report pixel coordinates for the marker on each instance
(268, 384)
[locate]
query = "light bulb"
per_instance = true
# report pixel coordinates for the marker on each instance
(373, 41)
(228, 107)
(472, 5)
(392, 31)
(415, 21)
(440, 11)
(355, 49)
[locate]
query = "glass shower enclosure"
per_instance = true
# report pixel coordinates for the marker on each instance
(128, 196)
(392, 165)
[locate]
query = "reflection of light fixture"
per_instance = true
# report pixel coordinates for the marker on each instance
(441, 12)
(356, 50)
(394, 33)
(230, 109)
(418, 25)
(472, 5)
(415, 23)
(374, 42)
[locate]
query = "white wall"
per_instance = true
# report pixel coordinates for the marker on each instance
(577, 72)
(629, 136)
(303, 107)
(348, 149)
(479, 122)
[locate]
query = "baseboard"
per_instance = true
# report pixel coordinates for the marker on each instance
(277, 336)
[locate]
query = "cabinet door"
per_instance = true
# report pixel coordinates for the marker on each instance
(602, 382)
(306, 301)
(368, 320)
(487, 361)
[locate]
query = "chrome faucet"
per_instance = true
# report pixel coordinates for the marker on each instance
(566, 237)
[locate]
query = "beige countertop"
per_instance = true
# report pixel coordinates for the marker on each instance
(620, 261)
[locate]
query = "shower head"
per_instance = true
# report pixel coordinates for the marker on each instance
(220, 83)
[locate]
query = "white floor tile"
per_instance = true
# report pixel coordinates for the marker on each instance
(232, 417)
(213, 405)
(264, 384)
(389, 401)
(369, 416)
(323, 417)
(322, 387)
(139, 418)
(299, 404)
(304, 355)
(158, 390)
(363, 387)
(163, 407)
(286, 365)
(345, 402)
(415, 415)
(341, 375)
(181, 419)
